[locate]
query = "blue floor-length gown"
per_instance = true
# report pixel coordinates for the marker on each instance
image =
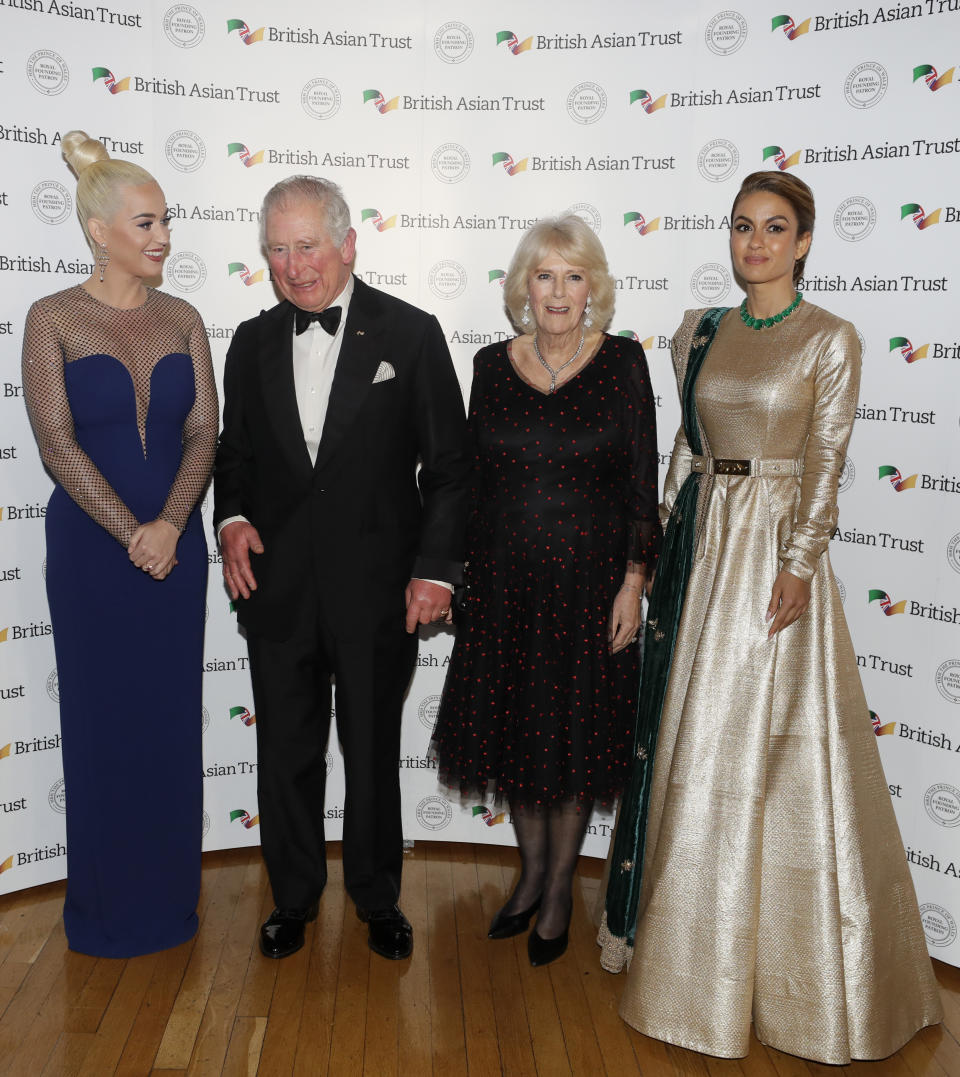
(136, 387)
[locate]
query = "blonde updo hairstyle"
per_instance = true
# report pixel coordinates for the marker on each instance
(100, 179)
(574, 240)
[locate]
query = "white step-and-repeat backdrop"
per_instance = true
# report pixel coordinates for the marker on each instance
(451, 130)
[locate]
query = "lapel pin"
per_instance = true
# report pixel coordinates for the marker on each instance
(359, 332)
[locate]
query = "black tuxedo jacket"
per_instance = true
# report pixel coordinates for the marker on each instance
(361, 521)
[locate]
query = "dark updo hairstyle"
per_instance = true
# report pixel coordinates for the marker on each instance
(795, 191)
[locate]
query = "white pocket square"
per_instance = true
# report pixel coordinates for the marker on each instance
(384, 372)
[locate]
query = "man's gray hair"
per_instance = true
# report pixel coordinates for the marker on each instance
(325, 193)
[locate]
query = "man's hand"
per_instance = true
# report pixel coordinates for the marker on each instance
(153, 548)
(789, 601)
(426, 602)
(236, 542)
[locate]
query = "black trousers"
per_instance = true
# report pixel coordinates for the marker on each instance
(372, 658)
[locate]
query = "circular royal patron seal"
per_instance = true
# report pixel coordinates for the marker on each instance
(183, 26)
(453, 42)
(725, 33)
(866, 84)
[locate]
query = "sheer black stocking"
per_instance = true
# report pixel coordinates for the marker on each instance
(530, 825)
(549, 840)
(567, 825)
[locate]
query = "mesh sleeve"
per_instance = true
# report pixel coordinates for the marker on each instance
(199, 435)
(45, 392)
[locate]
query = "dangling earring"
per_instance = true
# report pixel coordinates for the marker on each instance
(588, 314)
(525, 316)
(103, 260)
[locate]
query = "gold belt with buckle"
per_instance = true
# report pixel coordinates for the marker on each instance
(712, 465)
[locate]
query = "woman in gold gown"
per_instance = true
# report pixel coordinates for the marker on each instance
(757, 870)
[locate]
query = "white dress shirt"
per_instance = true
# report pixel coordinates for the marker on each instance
(315, 355)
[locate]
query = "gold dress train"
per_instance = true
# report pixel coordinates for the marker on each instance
(775, 886)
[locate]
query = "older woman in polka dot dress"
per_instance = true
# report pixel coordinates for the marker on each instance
(540, 699)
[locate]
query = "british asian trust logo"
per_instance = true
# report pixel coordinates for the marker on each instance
(110, 81)
(642, 226)
(889, 607)
(907, 350)
(376, 218)
(916, 213)
(789, 27)
(513, 43)
(246, 819)
(247, 159)
(487, 816)
(647, 101)
(380, 103)
(246, 276)
(780, 159)
(897, 481)
(244, 715)
(880, 728)
(247, 36)
(928, 73)
(511, 167)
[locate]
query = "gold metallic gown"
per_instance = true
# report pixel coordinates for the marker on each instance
(775, 883)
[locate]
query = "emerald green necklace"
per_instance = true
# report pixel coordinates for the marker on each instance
(765, 323)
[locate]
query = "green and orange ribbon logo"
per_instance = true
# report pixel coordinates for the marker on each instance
(5, 751)
(646, 100)
(249, 159)
(790, 28)
(889, 608)
(381, 104)
(928, 73)
(110, 81)
(637, 220)
(245, 818)
(244, 715)
(513, 43)
(248, 36)
(630, 335)
(882, 730)
(907, 350)
(897, 481)
(376, 217)
(246, 276)
(487, 815)
(782, 161)
(497, 275)
(509, 166)
(6, 865)
(921, 220)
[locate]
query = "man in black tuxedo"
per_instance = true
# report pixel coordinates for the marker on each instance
(334, 548)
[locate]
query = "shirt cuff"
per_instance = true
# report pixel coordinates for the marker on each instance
(230, 520)
(439, 583)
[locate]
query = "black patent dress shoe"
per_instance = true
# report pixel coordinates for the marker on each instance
(543, 951)
(505, 925)
(282, 934)
(389, 933)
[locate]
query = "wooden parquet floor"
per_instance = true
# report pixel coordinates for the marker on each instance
(461, 1007)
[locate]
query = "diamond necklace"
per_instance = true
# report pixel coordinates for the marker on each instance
(563, 366)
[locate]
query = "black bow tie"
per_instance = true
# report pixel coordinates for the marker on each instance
(329, 319)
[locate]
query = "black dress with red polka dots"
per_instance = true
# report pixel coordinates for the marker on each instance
(563, 494)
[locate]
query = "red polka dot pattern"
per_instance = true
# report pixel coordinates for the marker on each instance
(564, 493)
